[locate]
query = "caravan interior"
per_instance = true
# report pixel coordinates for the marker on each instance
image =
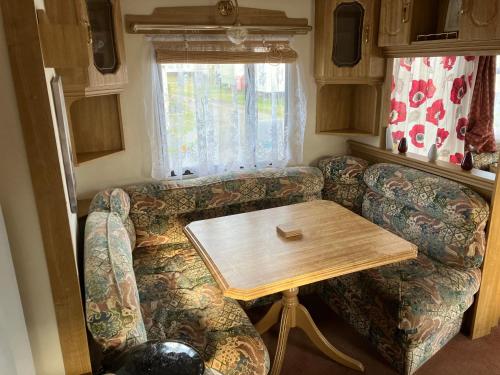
(186, 183)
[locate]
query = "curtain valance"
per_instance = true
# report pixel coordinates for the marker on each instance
(224, 52)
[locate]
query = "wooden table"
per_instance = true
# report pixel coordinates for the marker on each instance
(250, 260)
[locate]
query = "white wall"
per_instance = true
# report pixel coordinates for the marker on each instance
(18, 202)
(15, 350)
(133, 165)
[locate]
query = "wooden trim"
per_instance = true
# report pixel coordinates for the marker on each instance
(487, 305)
(224, 57)
(207, 20)
(33, 100)
(481, 181)
(443, 48)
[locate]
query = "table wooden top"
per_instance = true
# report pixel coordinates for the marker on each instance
(250, 260)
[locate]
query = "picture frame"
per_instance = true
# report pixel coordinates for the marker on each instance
(452, 22)
(64, 140)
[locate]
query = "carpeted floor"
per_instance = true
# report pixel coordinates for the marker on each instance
(461, 356)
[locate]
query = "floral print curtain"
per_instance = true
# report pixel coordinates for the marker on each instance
(430, 103)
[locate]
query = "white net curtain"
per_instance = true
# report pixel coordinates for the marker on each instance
(214, 118)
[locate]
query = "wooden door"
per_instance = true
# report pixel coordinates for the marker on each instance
(331, 36)
(480, 20)
(395, 16)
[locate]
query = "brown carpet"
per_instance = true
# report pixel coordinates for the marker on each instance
(461, 356)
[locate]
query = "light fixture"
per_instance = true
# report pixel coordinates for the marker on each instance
(237, 33)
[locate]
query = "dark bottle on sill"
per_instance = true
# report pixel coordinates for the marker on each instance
(468, 161)
(403, 146)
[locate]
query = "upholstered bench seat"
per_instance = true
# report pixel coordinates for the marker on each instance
(409, 310)
(144, 281)
(180, 300)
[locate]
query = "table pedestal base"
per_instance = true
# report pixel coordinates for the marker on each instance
(294, 315)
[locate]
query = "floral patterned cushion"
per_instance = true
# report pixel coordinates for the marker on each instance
(444, 219)
(181, 300)
(440, 198)
(344, 180)
(117, 201)
(159, 211)
(485, 160)
(112, 301)
(459, 246)
(422, 294)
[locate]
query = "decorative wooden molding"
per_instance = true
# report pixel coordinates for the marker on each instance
(208, 20)
(481, 181)
(444, 48)
(33, 98)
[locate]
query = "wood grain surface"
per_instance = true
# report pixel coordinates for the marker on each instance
(250, 260)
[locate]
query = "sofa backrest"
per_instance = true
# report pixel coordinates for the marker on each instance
(344, 181)
(445, 219)
(160, 210)
(113, 311)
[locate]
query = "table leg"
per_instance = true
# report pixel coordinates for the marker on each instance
(295, 315)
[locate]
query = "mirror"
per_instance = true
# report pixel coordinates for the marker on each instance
(103, 38)
(347, 34)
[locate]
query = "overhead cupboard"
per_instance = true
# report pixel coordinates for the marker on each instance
(438, 25)
(83, 41)
(349, 67)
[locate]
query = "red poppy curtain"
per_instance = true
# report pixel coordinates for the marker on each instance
(430, 103)
(480, 130)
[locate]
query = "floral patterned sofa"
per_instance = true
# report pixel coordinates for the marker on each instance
(144, 280)
(408, 311)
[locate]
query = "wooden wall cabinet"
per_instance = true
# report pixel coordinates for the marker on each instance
(96, 126)
(83, 41)
(349, 67)
(418, 28)
(480, 20)
(345, 41)
(395, 17)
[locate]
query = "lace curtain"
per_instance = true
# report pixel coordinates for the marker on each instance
(214, 118)
(430, 103)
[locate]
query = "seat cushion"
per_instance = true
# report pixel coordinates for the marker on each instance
(419, 296)
(181, 300)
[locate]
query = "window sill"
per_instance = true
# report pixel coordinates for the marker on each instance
(481, 181)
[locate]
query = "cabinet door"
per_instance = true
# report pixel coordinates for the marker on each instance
(480, 20)
(395, 23)
(345, 43)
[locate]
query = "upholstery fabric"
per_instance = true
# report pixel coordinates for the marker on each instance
(485, 159)
(115, 200)
(409, 310)
(365, 311)
(178, 297)
(181, 300)
(112, 301)
(344, 180)
(159, 211)
(445, 219)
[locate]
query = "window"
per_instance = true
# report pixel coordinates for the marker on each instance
(226, 117)
(497, 103)
(430, 103)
